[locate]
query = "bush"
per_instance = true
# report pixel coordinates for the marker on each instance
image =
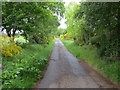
(8, 47)
(21, 41)
(24, 70)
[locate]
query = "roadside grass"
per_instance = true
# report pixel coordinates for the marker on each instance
(89, 54)
(22, 71)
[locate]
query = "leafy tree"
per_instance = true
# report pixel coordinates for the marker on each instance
(33, 18)
(97, 24)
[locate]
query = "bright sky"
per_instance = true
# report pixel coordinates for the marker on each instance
(62, 22)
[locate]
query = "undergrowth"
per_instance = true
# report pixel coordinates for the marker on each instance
(22, 71)
(89, 54)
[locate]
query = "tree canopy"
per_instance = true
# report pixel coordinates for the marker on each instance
(96, 23)
(36, 19)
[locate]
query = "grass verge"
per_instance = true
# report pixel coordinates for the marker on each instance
(24, 70)
(89, 54)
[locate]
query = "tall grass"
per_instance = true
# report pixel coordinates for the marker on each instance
(89, 54)
(24, 70)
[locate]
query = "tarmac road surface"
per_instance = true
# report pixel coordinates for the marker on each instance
(64, 71)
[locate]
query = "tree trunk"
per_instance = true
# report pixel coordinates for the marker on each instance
(8, 33)
(13, 35)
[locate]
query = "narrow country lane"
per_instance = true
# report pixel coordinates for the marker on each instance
(64, 71)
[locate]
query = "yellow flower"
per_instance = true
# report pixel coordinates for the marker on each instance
(9, 48)
(21, 37)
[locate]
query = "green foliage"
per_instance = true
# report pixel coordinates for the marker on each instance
(71, 22)
(96, 23)
(23, 68)
(21, 42)
(23, 71)
(61, 31)
(35, 19)
(9, 48)
(89, 54)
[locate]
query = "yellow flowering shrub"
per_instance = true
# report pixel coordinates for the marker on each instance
(54, 37)
(62, 37)
(8, 47)
(65, 36)
(48, 39)
(21, 37)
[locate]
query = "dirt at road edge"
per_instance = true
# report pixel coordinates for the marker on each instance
(98, 77)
